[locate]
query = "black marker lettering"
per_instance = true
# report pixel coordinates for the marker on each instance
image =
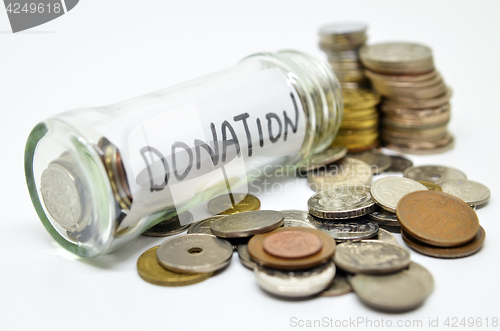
(225, 142)
(269, 117)
(214, 153)
(174, 163)
(153, 186)
(288, 121)
(243, 117)
(261, 136)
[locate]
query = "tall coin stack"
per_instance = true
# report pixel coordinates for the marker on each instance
(359, 129)
(415, 108)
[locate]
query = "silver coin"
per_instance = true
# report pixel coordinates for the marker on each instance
(397, 292)
(347, 171)
(385, 236)
(354, 230)
(341, 202)
(170, 227)
(472, 193)
(388, 191)
(247, 223)
(298, 218)
(377, 161)
(399, 164)
(433, 173)
(295, 284)
(245, 257)
(397, 58)
(194, 253)
(339, 286)
(203, 226)
(373, 257)
(384, 217)
(328, 156)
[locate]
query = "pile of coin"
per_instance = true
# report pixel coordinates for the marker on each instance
(359, 129)
(341, 243)
(341, 42)
(415, 107)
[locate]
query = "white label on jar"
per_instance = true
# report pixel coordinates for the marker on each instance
(192, 142)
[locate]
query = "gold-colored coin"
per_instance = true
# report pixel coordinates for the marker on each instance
(357, 114)
(360, 98)
(223, 205)
(431, 186)
(358, 139)
(360, 123)
(150, 270)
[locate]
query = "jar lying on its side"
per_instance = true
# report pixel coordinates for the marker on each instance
(98, 177)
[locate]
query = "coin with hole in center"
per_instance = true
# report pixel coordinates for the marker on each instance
(246, 224)
(149, 270)
(194, 253)
(373, 257)
(292, 244)
(433, 173)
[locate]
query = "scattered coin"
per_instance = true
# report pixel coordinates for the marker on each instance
(203, 226)
(384, 217)
(298, 218)
(233, 203)
(399, 164)
(326, 157)
(387, 191)
(386, 236)
(375, 257)
(344, 172)
(245, 257)
(446, 252)
(342, 202)
(194, 253)
(353, 230)
(171, 226)
(246, 224)
(437, 218)
(339, 286)
(472, 193)
(433, 173)
(377, 161)
(149, 270)
(295, 284)
(432, 186)
(257, 252)
(292, 244)
(397, 292)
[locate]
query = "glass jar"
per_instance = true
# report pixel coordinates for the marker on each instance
(99, 177)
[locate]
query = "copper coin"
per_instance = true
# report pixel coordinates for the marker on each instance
(437, 218)
(257, 252)
(446, 253)
(292, 244)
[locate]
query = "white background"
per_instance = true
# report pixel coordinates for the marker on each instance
(102, 52)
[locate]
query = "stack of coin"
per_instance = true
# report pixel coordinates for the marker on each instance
(359, 130)
(341, 42)
(415, 107)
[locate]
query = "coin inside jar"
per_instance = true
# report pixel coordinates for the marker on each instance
(292, 244)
